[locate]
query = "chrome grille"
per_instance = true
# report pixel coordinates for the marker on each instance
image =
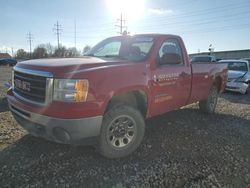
(32, 86)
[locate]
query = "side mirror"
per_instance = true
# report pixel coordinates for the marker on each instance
(170, 58)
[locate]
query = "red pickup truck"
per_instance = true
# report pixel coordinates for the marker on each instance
(106, 95)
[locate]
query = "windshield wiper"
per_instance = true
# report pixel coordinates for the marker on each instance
(116, 56)
(91, 55)
(105, 56)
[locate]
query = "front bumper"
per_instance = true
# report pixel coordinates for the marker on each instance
(68, 131)
(240, 87)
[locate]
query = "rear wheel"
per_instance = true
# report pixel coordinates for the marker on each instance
(122, 131)
(210, 103)
(248, 89)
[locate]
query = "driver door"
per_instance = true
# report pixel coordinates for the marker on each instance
(171, 79)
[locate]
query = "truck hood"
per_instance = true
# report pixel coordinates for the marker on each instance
(235, 74)
(67, 65)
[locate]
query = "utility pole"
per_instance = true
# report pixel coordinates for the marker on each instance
(30, 39)
(12, 51)
(57, 29)
(121, 25)
(75, 34)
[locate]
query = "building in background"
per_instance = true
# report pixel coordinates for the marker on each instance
(5, 55)
(233, 54)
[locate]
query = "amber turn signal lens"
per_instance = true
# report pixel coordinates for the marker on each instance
(81, 88)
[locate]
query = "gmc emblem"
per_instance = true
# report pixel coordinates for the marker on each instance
(22, 85)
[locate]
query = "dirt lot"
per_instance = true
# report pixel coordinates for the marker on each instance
(185, 148)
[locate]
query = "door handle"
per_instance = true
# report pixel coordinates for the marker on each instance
(184, 74)
(155, 78)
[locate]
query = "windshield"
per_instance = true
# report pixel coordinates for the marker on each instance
(237, 66)
(131, 48)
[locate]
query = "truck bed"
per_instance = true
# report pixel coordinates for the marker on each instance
(203, 74)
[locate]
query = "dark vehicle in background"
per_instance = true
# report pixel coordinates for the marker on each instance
(8, 61)
(238, 76)
(203, 59)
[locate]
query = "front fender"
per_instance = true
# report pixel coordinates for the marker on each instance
(123, 90)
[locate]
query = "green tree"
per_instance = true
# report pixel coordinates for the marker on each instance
(60, 52)
(21, 54)
(86, 49)
(49, 48)
(72, 52)
(40, 52)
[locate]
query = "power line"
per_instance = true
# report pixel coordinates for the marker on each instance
(57, 29)
(202, 12)
(197, 22)
(220, 28)
(211, 29)
(104, 24)
(121, 26)
(12, 51)
(30, 39)
(171, 19)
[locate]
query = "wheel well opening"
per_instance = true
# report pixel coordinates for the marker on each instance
(135, 99)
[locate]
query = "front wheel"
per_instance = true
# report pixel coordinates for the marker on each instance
(210, 103)
(248, 89)
(122, 131)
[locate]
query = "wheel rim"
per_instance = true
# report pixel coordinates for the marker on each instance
(121, 131)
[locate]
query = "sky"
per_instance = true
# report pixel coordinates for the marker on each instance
(224, 24)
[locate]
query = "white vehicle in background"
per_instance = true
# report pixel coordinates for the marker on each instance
(248, 59)
(238, 76)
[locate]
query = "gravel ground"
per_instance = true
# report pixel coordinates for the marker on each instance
(184, 148)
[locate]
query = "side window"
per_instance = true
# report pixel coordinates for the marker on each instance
(170, 53)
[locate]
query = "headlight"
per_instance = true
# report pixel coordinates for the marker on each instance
(70, 90)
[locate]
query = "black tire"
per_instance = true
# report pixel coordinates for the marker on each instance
(122, 131)
(248, 89)
(209, 105)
